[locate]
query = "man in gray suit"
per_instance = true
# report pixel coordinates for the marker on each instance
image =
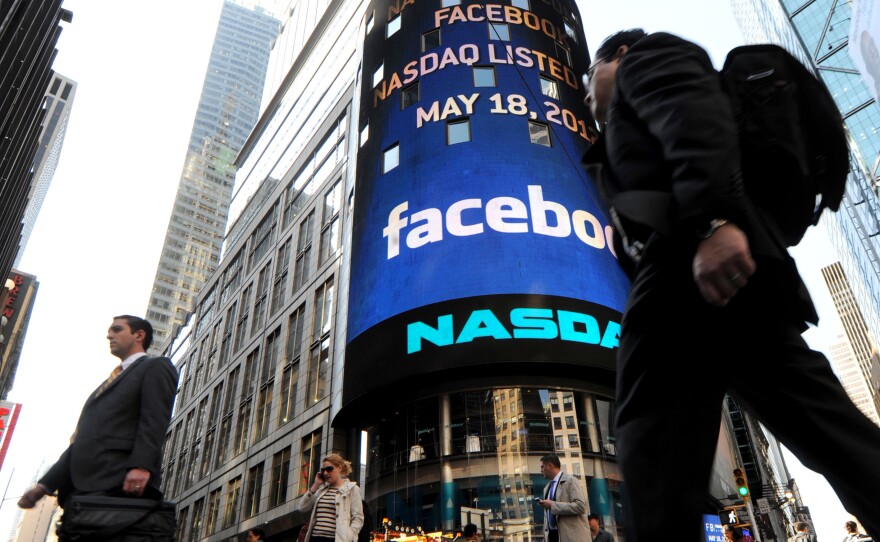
(118, 439)
(564, 504)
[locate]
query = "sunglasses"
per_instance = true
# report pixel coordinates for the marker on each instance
(586, 77)
(327, 469)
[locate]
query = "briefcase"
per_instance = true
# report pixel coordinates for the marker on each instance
(96, 518)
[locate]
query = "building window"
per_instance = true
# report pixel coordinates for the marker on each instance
(572, 441)
(246, 401)
(233, 493)
(330, 224)
(262, 238)
(226, 419)
(319, 353)
(484, 76)
(182, 523)
(568, 402)
(303, 252)
(211, 431)
(569, 30)
(391, 158)
(430, 39)
(499, 32)
(393, 26)
(521, 4)
(226, 343)
(458, 131)
(557, 441)
(539, 133)
(290, 377)
(195, 528)
(409, 95)
(563, 54)
(378, 75)
(279, 287)
(266, 383)
(549, 88)
(213, 511)
(253, 491)
(569, 422)
(261, 299)
(241, 328)
(370, 22)
(365, 134)
(557, 422)
(280, 475)
(310, 458)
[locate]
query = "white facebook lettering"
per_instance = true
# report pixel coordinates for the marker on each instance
(502, 214)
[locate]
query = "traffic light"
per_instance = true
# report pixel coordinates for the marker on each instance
(742, 485)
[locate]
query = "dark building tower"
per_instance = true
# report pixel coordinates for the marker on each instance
(227, 111)
(28, 34)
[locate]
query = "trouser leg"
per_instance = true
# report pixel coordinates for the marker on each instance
(666, 427)
(796, 395)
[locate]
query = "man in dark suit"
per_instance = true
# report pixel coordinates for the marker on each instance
(118, 439)
(564, 504)
(714, 292)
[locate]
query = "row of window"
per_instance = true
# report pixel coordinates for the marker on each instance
(222, 510)
(394, 20)
(459, 131)
(225, 424)
(247, 316)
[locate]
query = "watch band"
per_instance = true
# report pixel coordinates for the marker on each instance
(711, 228)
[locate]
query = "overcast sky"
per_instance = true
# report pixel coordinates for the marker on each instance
(97, 241)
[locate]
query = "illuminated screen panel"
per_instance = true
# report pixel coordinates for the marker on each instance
(477, 237)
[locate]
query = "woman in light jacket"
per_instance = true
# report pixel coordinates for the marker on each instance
(337, 512)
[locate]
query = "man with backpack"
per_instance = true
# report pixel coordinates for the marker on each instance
(714, 294)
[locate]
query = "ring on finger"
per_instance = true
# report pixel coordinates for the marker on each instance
(734, 277)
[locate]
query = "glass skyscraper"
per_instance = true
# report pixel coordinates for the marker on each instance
(226, 114)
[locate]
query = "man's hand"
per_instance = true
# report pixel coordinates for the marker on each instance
(723, 264)
(31, 496)
(135, 481)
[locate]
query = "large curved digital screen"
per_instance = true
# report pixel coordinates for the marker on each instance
(477, 238)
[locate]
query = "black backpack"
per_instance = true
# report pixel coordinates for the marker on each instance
(795, 157)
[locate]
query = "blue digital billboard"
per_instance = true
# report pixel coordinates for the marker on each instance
(478, 242)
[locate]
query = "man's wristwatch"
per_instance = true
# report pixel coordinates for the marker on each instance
(707, 230)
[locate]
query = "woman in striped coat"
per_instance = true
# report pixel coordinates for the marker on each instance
(337, 511)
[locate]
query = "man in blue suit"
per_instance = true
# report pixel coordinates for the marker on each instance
(118, 439)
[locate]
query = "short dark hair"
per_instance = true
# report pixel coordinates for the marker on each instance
(139, 324)
(469, 530)
(552, 459)
(800, 526)
(593, 515)
(852, 526)
(622, 37)
(258, 532)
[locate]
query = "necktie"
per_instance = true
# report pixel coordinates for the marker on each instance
(551, 518)
(113, 374)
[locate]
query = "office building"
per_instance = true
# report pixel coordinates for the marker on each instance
(28, 34)
(58, 102)
(227, 111)
(859, 367)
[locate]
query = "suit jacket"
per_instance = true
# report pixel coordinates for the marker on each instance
(570, 508)
(122, 428)
(671, 134)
